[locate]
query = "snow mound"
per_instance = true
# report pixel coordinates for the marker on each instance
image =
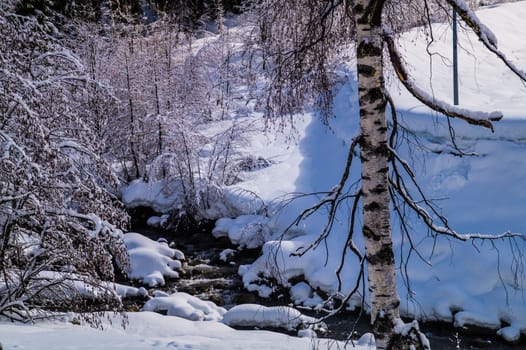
(186, 306)
(150, 331)
(510, 333)
(302, 294)
(127, 291)
(253, 315)
(167, 197)
(151, 261)
(247, 231)
(161, 196)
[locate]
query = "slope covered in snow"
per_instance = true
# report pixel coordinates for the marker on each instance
(469, 283)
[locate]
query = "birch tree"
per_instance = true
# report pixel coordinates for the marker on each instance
(299, 41)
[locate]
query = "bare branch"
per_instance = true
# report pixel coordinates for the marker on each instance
(333, 199)
(428, 220)
(349, 243)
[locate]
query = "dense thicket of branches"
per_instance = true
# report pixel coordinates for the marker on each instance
(164, 91)
(188, 13)
(58, 195)
(297, 59)
(87, 106)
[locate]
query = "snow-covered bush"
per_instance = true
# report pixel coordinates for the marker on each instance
(58, 204)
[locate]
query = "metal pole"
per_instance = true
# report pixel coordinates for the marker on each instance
(455, 60)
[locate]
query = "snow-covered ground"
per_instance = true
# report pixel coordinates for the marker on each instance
(464, 283)
(148, 330)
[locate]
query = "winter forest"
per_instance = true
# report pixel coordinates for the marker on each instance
(273, 174)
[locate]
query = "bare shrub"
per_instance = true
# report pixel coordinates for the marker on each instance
(57, 194)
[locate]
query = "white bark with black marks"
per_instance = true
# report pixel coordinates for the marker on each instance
(375, 167)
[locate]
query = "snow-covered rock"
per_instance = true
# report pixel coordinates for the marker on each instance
(510, 333)
(253, 315)
(185, 306)
(151, 261)
(226, 254)
(158, 221)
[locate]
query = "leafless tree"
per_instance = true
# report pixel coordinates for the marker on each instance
(163, 89)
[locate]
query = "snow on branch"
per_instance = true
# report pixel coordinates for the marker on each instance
(71, 144)
(15, 77)
(69, 78)
(471, 117)
(484, 34)
(95, 225)
(10, 143)
(5, 199)
(63, 54)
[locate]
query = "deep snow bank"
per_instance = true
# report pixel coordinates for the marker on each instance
(478, 282)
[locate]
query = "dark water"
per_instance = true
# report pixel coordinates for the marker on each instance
(441, 335)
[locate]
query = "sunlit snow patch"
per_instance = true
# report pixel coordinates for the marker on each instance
(186, 306)
(253, 315)
(250, 231)
(151, 261)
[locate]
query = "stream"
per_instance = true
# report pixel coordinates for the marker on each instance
(208, 277)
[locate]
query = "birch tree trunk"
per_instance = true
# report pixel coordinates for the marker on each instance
(374, 157)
